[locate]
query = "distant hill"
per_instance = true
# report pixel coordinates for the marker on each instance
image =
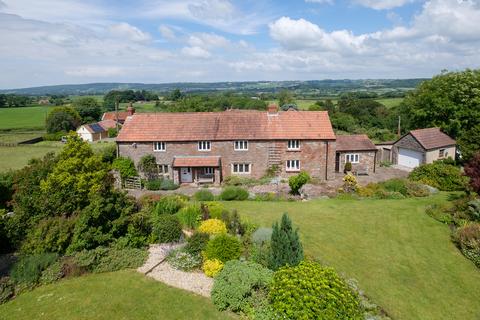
(317, 87)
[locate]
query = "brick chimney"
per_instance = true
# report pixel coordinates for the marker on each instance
(130, 109)
(272, 109)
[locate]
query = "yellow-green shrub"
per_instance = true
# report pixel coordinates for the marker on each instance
(213, 227)
(212, 267)
(216, 209)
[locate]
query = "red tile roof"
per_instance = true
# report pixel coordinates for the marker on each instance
(227, 125)
(196, 162)
(107, 124)
(122, 115)
(432, 138)
(359, 142)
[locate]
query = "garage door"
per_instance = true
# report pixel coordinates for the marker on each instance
(409, 158)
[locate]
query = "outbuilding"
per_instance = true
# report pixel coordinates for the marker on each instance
(359, 150)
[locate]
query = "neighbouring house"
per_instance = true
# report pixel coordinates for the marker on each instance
(359, 150)
(422, 146)
(206, 147)
(95, 131)
(119, 116)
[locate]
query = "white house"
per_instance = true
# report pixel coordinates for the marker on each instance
(95, 131)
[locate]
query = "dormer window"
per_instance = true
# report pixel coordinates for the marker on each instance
(293, 145)
(204, 146)
(241, 145)
(159, 146)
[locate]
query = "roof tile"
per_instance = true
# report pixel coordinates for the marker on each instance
(432, 138)
(359, 142)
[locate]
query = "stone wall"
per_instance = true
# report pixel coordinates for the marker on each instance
(312, 155)
(366, 161)
(433, 154)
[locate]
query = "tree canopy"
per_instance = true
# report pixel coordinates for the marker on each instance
(88, 108)
(62, 119)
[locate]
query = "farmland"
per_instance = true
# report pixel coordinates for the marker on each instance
(26, 118)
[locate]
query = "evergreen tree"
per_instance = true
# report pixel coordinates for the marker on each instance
(285, 247)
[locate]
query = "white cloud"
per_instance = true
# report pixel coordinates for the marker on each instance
(125, 30)
(166, 32)
(196, 52)
(383, 4)
(95, 71)
(207, 40)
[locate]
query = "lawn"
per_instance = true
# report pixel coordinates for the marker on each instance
(402, 258)
(118, 295)
(23, 118)
(18, 157)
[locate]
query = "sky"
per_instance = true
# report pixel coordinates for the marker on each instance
(48, 42)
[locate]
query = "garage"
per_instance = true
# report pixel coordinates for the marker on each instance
(409, 158)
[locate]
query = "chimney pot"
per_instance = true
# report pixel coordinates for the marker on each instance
(272, 109)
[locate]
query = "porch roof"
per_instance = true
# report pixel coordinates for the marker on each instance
(199, 161)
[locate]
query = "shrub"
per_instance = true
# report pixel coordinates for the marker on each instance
(310, 291)
(472, 170)
(182, 260)
(53, 273)
(234, 193)
(212, 267)
(50, 235)
(197, 243)
(190, 216)
(203, 195)
(474, 210)
(168, 184)
(104, 259)
(169, 205)
(285, 246)
(298, 181)
(223, 247)
(7, 289)
(112, 132)
(166, 228)
(234, 180)
(234, 224)
(347, 168)
(395, 185)
(467, 239)
(349, 183)
(440, 175)
(260, 253)
(262, 236)
(28, 269)
(148, 166)
(125, 166)
(215, 209)
(153, 184)
(139, 229)
(235, 286)
(212, 227)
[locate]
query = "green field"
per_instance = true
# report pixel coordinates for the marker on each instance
(12, 158)
(23, 118)
(16, 137)
(118, 295)
(304, 104)
(402, 258)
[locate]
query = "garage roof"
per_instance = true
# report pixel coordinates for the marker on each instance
(432, 138)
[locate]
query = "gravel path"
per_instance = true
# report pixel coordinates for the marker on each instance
(195, 282)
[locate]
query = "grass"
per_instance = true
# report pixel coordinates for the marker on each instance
(16, 137)
(12, 158)
(118, 295)
(402, 258)
(23, 118)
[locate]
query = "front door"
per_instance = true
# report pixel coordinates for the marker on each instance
(186, 175)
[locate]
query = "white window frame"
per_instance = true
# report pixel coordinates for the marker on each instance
(204, 146)
(442, 153)
(208, 170)
(352, 158)
(165, 169)
(292, 165)
(293, 145)
(240, 145)
(159, 146)
(241, 168)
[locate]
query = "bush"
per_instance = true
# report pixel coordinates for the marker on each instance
(347, 168)
(310, 291)
(166, 228)
(125, 166)
(223, 247)
(168, 184)
(53, 273)
(28, 269)
(139, 230)
(440, 175)
(349, 183)
(298, 181)
(215, 209)
(235, 286)
(212, 267)
(285, 246)
(112, 132)
(395, 185)
(182, 260)
(169, 205)
(234, 180)
(212, 227)
(56, 136)
(262, 236)
(197, 243)
(7, 289)
(234, 193)
(104, 259)
(472, 170)
(50, 235)
(190, 216)
(203, 195)
(467, 238)
(153, 184)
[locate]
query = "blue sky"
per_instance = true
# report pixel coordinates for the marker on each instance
(45, 42)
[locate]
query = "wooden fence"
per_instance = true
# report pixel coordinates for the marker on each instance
(132, 183)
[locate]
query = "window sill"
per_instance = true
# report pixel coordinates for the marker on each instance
(159, 150)
(241, 173)
(292, 170)
(204, 150)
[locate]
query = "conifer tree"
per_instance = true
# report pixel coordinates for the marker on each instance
(285, 246)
